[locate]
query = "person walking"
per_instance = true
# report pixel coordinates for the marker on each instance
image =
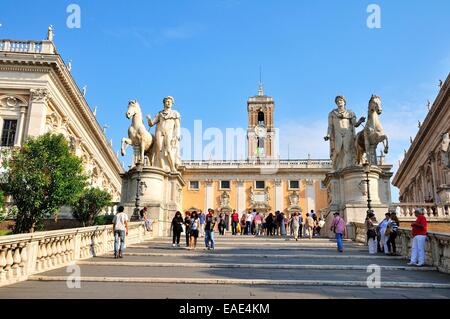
(371, 225)
(394, 224)
(419, 233)
(382, 233)
(300, 227)
(309, 225)
(194, 227)
(210, 223)
(242, 223)
(248, 223)
(201, 217)
(187, 226)
(234, 222)
(269, 224)
(282, 224)
(338, 227)
(120, 230)
(258, 224)
(221, 224)
(320, 225)
(295, 225)
(177, 229)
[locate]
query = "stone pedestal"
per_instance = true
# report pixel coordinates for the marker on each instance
(160, 192)
(347, 193)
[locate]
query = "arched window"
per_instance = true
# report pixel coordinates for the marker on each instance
(261, 119)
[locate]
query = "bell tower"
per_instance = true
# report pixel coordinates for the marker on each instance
(260, 131)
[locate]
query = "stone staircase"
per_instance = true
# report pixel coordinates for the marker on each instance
(239, 267)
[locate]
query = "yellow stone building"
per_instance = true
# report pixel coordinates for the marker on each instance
(261, 182)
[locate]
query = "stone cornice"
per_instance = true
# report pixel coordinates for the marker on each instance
(428, 127)
(54, 65)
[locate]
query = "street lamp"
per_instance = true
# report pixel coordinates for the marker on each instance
(137, 203)
(366, 167)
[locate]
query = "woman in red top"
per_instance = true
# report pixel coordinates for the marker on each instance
(234, 222)
(419, 233)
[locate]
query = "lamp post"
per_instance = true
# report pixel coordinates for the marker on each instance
(366, 167)
(137, 203)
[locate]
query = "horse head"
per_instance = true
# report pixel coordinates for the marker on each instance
(375, 104)
(133, 108)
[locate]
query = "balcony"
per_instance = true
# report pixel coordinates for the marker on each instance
(17, 46)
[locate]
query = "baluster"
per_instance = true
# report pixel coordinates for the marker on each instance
(23, 254)
(16, 256)
(58, 250)
(64, 249)
(44, 261)
(50, 253)
(2, 263)
(9, 261)
(39, 257)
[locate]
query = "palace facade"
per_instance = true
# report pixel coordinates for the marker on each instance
(38, 95)
(262, 182)
(424, 174)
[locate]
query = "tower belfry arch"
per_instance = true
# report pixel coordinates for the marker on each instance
(261, 131)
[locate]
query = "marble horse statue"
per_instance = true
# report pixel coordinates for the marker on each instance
(367, 140)
(138, 134)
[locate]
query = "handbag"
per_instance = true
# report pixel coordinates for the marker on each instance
(388, 230)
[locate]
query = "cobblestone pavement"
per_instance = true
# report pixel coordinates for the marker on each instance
(239, 267)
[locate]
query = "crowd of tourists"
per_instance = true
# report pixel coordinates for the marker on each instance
(252, 223)
(381, 236)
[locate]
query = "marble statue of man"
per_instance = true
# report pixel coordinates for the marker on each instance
(341, 134)
(167, 135)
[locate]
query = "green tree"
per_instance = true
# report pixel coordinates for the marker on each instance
(43, 176)
(90, 204)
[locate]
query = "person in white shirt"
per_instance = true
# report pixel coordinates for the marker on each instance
(248, 223)
(382, 229)
(120, 229)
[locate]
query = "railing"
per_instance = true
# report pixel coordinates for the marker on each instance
(27, 254)
(258, 163)
(431, 211)
(27, 46)
(437, 245)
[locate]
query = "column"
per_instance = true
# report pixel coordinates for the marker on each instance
(38, 111)
(209, 195)
(310, 195)
(240, 205)
(279, 195)
(21, 126)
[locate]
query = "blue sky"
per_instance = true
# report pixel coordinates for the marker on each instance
(207, 54)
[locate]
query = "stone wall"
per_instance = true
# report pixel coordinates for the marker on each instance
(27, 254)
(437, 245)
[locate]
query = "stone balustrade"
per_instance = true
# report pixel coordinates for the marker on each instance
(45, 47)
(255, 163)
(27, 254)
(432, 211)
(437, 245)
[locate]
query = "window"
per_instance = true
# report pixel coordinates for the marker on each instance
(294, 184)
(261, 120)
(9, 132)
(260, 184)
(224, 184)
(194, 185)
